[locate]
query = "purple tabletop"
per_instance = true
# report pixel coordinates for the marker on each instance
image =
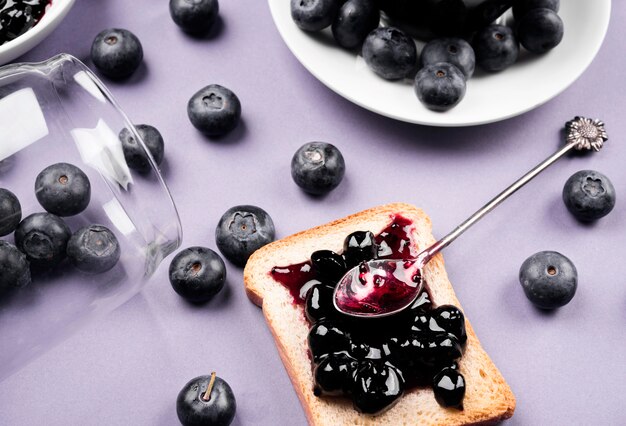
(565, 367)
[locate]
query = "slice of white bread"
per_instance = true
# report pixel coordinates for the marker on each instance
(488, 397)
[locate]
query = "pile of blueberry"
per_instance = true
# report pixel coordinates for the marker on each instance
(445, 64)
(19, 16)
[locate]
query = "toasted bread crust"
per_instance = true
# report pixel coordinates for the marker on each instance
(488, 397)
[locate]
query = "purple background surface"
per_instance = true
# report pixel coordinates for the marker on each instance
(565, 367)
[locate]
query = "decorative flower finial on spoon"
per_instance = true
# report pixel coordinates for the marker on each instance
(586, 133)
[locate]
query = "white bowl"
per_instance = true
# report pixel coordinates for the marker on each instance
(31, 38)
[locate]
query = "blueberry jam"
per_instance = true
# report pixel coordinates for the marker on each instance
(374, 361)
(19, 16)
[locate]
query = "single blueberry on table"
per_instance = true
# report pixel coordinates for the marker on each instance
(63, 189)
(313, 15)
(214, 110)
(14, 268)
(94, 249)
(440, 86)
(354, 21)
(10, 212)
(449, 388)
(194, 16)
(390, 53)
(136, 157)
(549, 279)
(242, 230)
(496, 48)
(43, 238)
(455, 51)
(206, 400)
(318, 167)
(117, 53)
(540, 30)
(522, 7)
(197, 274)
(589, 195)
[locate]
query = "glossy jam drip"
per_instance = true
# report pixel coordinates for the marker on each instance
(19, 16)
(395, 242)
(297, 278)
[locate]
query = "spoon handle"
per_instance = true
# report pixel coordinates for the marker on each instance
(431, 251)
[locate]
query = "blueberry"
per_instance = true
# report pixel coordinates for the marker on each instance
(43, 238)
(540, 30)
(377, 387)
(549, 279)
(94, 249)
(194, 16)
(214, 110)
(14, 268)
(449, 388)
(195, 408)
(326, 337)
(318, 167)
(333, 375)
(319, 303)
(197, 274)
(242, 230)
(354, 21)
(440, 86)
(116, 52)
(328, 265)
(420, 304)
(452, 320)
(313, 15)
(390, 53)
(10, 212)
(496, 48)
(521, 7)
(63, 189)
(455, 51)
(589, 195)
(136, 157)
(359, 246)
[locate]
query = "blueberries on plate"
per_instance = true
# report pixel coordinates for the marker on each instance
(449, 388)
(134, 154)
(377, 387)
(214, 110)
(43, 238)
(333, 375)
(117, 53)
(197, 274)
(455, 51)
(549, 279)
(522, 7)
(195, 408)
(354, 21)
(313, 15)
(194, 16)
(14, 268)
(63, 189)
(242, 230)
(589, 195)
(318, 167)
(440, 86)
(390, 53)
(10, 212)
(540, 30)
(496, 48)
(94, 249)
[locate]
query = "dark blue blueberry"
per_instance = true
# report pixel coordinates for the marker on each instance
(549, 279)
(319, 303)
(10, 212)
(242, 230)
(455, 51)
(197, 274)
(136, 157)
(325, 337)
(440, 86)
(94, 249)
(390, 53)
(318, 167)
(540, 30)
(452, 320)
(521, 7)
(377, 386)
(117, 53)
(333, 375)
(214, 110)
(43, 238)
(589, 195)
(14, 268)
(496, 48)
(63, 189)
(354, 21)
(359, 246)
(194, 16)
(313, 15)
(329, 266)
(195, 408)
(449, 388)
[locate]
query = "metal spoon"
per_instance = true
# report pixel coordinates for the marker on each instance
(383, 287)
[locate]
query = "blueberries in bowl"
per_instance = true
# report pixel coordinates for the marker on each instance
(197, 274)
(134, 154)
(117, 53)
(496, 48)
(194, 16)
(43, 238)
(549, 279)
(206, 400)
(14, 268)
(354, 21)
(390, 53)
(313, 15)
(522, 7)
(440, 86)
(318, 167)
(214, 110)
(93, 249)
(589, 195)
(540, 30)
(10, 212)
(455, 51)
(63, 189)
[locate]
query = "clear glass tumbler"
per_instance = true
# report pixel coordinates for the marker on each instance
(59, 111)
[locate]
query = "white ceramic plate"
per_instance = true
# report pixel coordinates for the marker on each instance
(490, 97)
(50, 20)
